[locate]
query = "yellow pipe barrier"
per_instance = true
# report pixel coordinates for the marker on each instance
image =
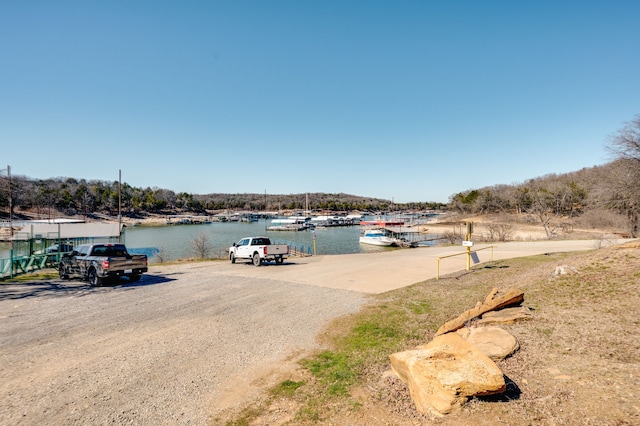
(468, 253)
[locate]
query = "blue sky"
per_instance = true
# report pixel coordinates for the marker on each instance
(403, 100)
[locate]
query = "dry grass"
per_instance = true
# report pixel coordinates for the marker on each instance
(579, 361)
(524, 227)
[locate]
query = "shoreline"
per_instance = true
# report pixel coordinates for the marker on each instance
(486, 228)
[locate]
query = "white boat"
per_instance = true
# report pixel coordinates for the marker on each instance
(376, 237)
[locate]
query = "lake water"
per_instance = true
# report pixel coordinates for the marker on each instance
(176, 242)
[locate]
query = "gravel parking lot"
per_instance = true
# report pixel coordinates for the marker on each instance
(171, 349)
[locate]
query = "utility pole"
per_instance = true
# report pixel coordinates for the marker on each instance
(11, 220)
(10, 204)
(119, 205)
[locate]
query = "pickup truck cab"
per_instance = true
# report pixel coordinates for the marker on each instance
(258, 250)
(99, 262)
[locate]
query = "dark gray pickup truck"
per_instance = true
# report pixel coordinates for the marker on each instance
(99, 262)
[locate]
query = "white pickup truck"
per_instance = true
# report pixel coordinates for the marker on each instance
(258, 250)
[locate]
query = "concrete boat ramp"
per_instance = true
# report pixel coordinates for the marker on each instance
(376, 273)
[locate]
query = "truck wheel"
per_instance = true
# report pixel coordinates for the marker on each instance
(279, 260)
(94, 279)
(256, 259)
(62, 271)
(135, 277)
(232, 257)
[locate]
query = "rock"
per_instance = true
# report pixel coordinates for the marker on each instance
(505, 316)
(565, 270)
(491, 295)
(494, 342)
(491, 303)
(443, 374)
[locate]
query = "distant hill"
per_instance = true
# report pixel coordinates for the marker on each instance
(66, 196)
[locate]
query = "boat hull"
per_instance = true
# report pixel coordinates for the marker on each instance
(377, 241)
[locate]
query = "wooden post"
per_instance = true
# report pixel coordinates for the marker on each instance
(468, 238)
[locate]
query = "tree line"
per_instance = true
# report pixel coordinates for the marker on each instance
(68, 196)
(614, 187)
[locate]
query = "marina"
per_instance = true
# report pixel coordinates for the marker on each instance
(172, 242)
(187, 220)
(295, 223)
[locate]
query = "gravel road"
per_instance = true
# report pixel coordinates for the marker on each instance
(170, 349)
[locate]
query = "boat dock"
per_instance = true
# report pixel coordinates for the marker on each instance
(187, 220)
(404, 236)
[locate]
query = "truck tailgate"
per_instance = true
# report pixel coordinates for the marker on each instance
(124, 264)
(277, 249)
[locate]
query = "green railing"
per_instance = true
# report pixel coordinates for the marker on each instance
(22, 264)
(29, 253)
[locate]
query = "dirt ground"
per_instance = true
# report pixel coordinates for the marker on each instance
(579, 361)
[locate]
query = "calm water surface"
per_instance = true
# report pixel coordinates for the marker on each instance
(176, 242)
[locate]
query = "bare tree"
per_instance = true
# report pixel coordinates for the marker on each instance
(626, 143)
(624, 180)
(161, 254)
(550, 199)
(201, 246)
(455, 236)
(499, 231)
(542, 202)
(623, 195)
